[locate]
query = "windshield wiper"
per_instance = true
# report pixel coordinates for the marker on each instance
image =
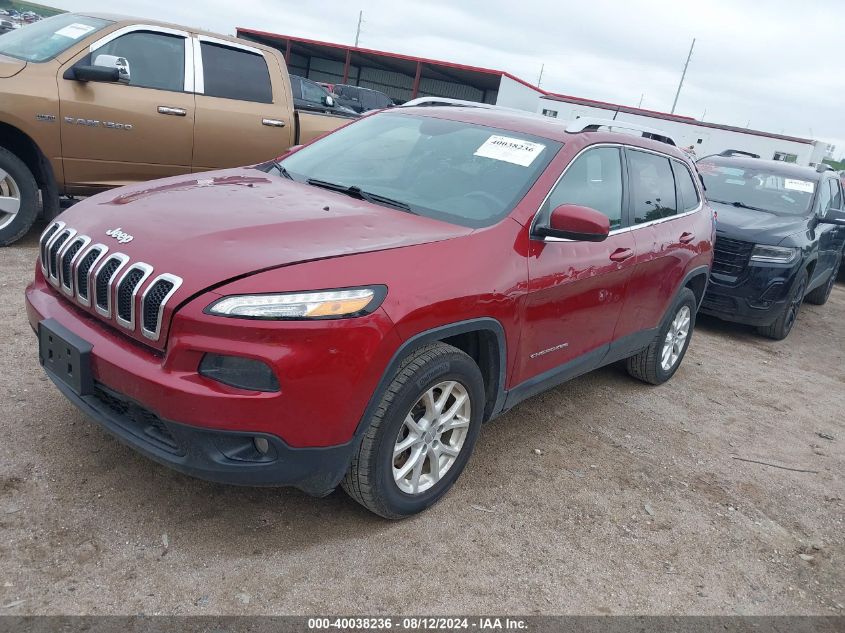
(284, 172)
(742, 205)
(357, 192)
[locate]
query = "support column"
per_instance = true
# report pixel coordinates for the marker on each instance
(287, 53)
(346, 67)
(415, 90)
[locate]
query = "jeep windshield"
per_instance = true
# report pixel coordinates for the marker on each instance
(467, 174)
(755, 188)
(43, 40)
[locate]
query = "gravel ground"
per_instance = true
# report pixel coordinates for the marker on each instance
(635, 504)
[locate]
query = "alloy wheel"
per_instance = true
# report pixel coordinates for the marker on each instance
(676, 337)
(431, 437)
(10, 199)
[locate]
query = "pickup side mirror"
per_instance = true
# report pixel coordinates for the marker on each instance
(574, 222)
(328, 100)
(833, 216)
(108, 68)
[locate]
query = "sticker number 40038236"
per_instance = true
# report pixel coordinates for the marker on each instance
(510, 150)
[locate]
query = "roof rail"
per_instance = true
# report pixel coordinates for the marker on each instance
(446, 101)
(823, 167)
(737, 152)
(590, 124)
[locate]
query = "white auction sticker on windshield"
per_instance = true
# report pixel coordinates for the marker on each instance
(75, 31)
(798, 185)
(510, 150)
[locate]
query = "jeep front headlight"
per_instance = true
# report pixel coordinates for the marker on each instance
(322, 304)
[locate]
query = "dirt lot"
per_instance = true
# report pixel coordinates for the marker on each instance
(635, 505)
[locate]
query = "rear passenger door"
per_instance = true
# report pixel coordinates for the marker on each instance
(576, 289)
(242, 115)
(662, 195)
(829, 235)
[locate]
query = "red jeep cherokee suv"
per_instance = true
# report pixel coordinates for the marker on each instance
(351, 313)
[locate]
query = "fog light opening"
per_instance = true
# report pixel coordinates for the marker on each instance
(261, 445)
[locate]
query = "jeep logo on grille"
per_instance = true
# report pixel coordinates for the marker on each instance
(119, 235)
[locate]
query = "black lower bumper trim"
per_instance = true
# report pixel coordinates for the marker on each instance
(228, 457)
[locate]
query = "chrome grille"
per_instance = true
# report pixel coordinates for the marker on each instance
(127, 290)
(108, 282)
(104, 280)
(153, 300)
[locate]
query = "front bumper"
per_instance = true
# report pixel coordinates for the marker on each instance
(756, 297)
(228, 457)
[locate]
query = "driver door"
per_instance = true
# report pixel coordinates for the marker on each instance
(117, 133)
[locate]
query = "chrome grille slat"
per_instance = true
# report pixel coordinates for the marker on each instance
(153, 301)
(108, 282)
(104, 281)
(127, 291)
(68, 262)
(87, 264)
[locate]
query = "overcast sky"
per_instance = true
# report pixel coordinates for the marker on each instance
(774, 65)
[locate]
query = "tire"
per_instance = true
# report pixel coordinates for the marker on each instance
(783, 325)
(375, 478)
(651, 365)
(16, 183)
(820, 295)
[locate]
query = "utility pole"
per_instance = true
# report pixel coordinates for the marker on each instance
(640, 104)
(683, 75)
(540, 78)
(358, 30)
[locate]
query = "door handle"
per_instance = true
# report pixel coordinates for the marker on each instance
(686, 237)
(273, 122)
(172, 111)
(621, 254)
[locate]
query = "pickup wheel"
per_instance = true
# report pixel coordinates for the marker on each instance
(18, 198)
(782, 326)
(658, 362)
(820, 295)
(421, 435)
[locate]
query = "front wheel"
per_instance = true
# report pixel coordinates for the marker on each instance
(782, 326)
(18, 198)
(658, 362)
(421, 435)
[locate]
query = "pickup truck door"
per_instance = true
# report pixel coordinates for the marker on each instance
(244, 111)
(117, 133)
(576, 289)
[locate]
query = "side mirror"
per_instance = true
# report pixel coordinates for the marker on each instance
(329, 101)
(113, 61)
(833, 217)
(574, 222)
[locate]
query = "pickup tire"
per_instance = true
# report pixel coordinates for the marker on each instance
(18, 198)
(658, 362)
(421, 435)
(782, 326)
(820, 295)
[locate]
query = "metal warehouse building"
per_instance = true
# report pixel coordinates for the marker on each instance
(405, 77)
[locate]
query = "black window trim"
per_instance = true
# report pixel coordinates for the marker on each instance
(626, 217)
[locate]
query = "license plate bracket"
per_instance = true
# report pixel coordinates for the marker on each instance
(65, 356)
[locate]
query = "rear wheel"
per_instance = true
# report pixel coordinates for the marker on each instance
(782, 326)
(18, 198)
(658, 362)
(820, 295)
(422, 433)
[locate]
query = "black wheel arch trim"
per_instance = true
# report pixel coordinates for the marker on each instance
(695, 272)
(481, 324)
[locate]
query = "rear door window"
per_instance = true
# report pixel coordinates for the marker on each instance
(687, 193)
(836, 195)
(652, 186)
(593, 180)
(232, 73)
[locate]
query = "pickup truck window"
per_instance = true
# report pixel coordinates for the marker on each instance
(312, 92)
(43, 40)
(230, 73)
(467, 174)
(156, 60)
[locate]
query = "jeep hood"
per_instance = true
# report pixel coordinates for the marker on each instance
(9, 66)
(210, 228)
(759, 227)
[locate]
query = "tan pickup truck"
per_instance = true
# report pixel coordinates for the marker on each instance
(90, 101)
